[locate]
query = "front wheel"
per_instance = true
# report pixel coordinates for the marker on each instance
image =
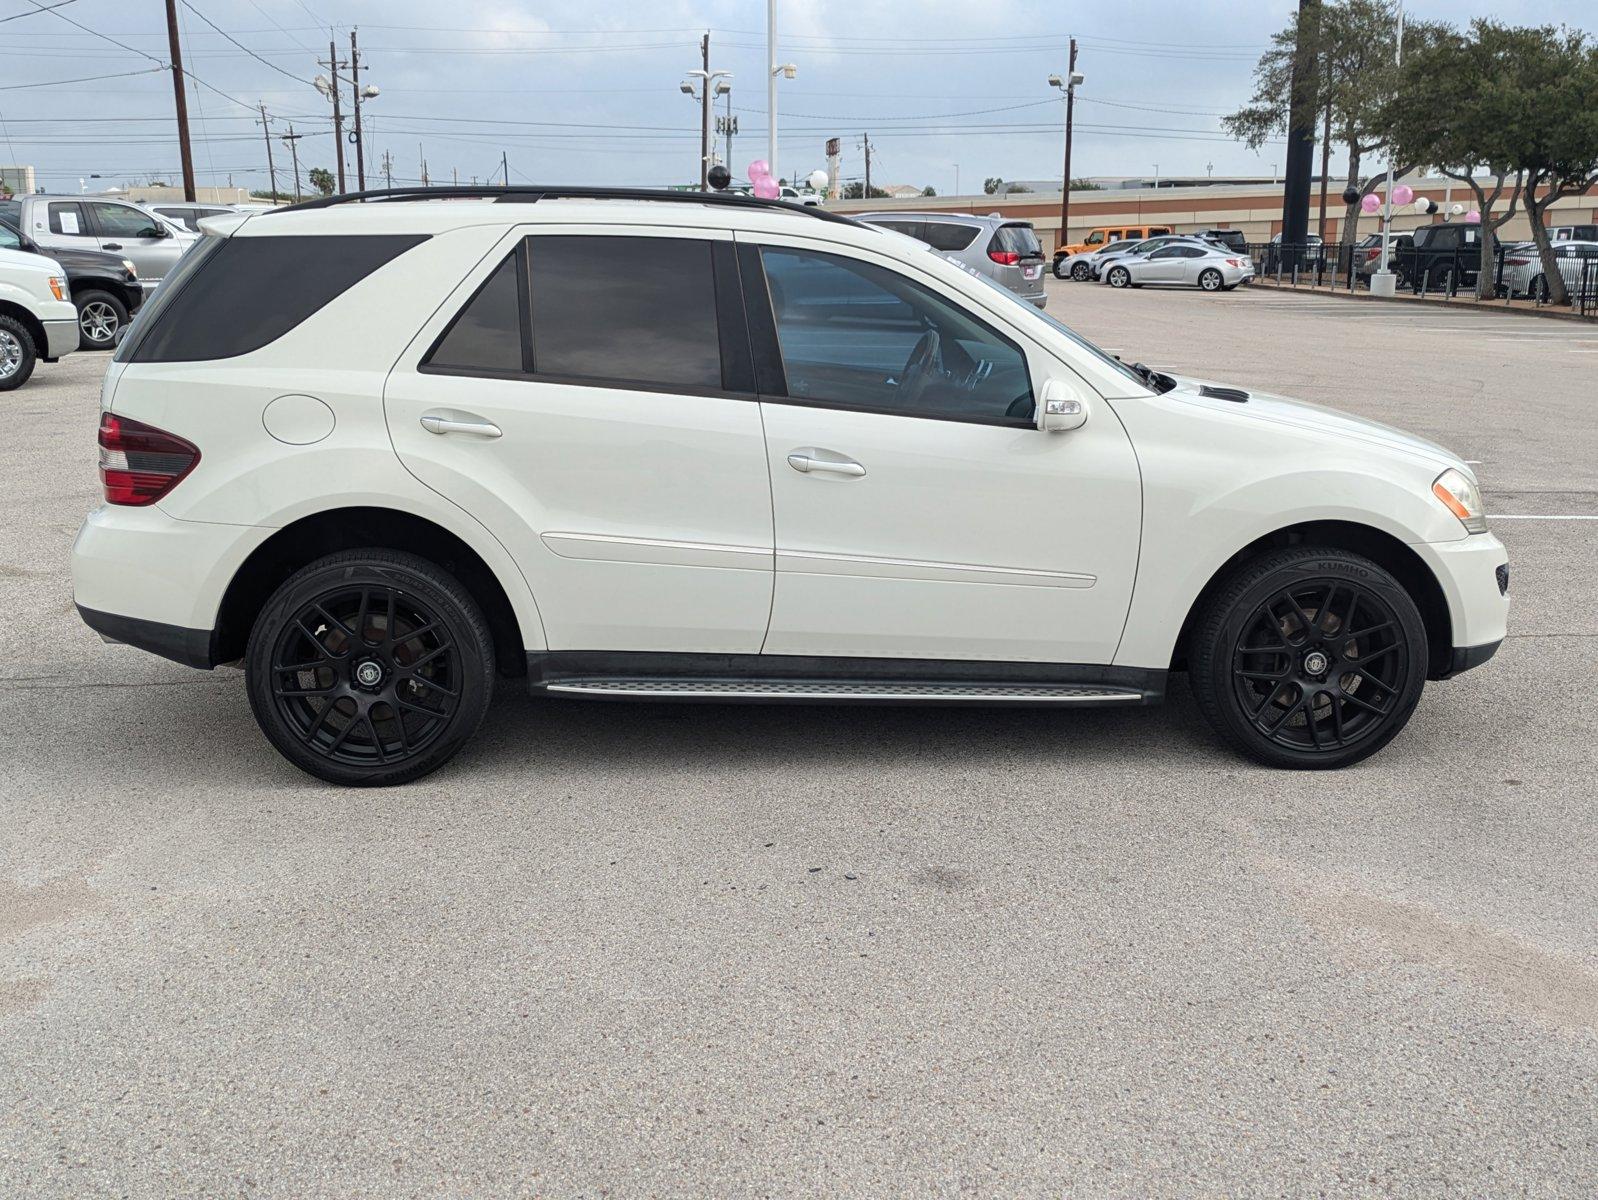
(18, 355)
(1120, 277)
(1210, 280)
(1081, 272)
(100, 315)
(370, 667)
(1309, 658)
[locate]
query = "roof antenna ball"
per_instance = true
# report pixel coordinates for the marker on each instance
(719, 177)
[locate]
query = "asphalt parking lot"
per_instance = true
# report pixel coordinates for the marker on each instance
(833, 952)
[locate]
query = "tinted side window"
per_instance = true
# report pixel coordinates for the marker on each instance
(948, 237)
(1017, 239)
(855, 335)
(487, 335)
(118, 220)
(9, 239)
(625, 310)
(249, 291)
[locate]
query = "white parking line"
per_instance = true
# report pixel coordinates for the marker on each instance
(1540, 517)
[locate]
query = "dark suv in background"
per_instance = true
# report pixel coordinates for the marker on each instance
(104, 286)
(1439, 256)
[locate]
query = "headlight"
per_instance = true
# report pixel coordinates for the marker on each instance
(58, 286)
(132, 270)
(1462, 498)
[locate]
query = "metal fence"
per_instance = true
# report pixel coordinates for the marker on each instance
(1517, 271)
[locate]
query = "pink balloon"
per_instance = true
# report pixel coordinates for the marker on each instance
(766, 187)
(1403, 194)
(1473, 217)
(1370, 203)
(759, 169)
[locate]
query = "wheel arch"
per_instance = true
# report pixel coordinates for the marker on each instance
(312, 537)
(1382, 548)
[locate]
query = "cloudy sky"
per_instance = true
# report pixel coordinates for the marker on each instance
(588, 91)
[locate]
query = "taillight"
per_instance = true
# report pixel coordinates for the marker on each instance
(1372, 253)
(1234, 262)
(1516, 262)
(139, 463)
(1006, 258)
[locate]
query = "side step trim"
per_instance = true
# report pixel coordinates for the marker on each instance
(843, 691)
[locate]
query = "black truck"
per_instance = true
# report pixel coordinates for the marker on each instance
(105, 288)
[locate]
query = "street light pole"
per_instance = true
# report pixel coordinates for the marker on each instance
(1383, 283)
(355, 90)
(771, 83)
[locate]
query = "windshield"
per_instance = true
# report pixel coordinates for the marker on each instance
(1064, 329)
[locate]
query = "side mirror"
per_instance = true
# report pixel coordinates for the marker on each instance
(1059, 408)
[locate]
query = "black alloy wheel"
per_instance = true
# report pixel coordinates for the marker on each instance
(100, 315)
(1309, 658)
(370, 667)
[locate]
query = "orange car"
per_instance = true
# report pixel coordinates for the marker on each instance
(1105, 234)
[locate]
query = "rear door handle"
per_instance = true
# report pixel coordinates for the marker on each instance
(805, 461)
(445, 422)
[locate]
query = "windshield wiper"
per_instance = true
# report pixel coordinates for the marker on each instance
(1155, 380)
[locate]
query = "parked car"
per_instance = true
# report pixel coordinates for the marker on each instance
(1080, 266)
(1005, 251)
(1182, 264)
(189, 215)
(1100, 264)
(1524, 274)
(1232, 239)
(89, 223)
(105, 288)
(1366, 255)
(627, 445)
(1309, 254)
(1436, 254)
(37, 320)
(1573, 233)
(1105, 234)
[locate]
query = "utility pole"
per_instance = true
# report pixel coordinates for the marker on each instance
(1326, 165)
(771, 82)
(1070, 118)
(182, 101)
(865, 142)
(332, 64)
(355, 90)
(504, 165)
(388, 169)
(455, 177)
(293, 140)
(1383, 283)
(705, 102)
(271, 172)
(423, 157)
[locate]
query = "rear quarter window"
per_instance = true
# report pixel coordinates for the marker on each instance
(247, 292)
(947, 236)
(1018, 239)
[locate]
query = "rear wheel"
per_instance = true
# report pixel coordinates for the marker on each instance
(1309, 658)
(18, 354)
(1081, 272)
(1120, 277)
(370, 667)
(100, 315)
(1210, 279)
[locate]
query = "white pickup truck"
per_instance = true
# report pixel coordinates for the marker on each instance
(37, 319)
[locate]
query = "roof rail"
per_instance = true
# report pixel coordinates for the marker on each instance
(532, 193)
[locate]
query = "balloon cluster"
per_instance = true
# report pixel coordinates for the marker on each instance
(761, 182)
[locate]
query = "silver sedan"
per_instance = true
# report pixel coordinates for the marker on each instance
(1079, 266)
(1182, 265)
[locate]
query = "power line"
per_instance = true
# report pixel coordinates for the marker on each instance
(35, 12)
(13, 87)
(104, 37)
(243, 47)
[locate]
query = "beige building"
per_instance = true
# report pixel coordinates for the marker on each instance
(17, 180)
(1255, 208)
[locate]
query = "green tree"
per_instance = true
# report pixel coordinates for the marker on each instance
(1457, 111)
(1083, 184)
(856, 191)
(1351, 47)
(322, 180)
(992, 184)
(929, 191)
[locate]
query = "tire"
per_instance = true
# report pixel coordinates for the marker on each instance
(100, 315)
(1058, 268)
(361, 707)
(1286, 707)
(18, 354)
(1081, 272)
(1119, 277)
(1211, 280)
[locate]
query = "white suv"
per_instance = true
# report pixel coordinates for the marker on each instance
(633, 445)
(37, 317)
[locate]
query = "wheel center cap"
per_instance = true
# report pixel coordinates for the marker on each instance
(1316, 662)
(368, 673)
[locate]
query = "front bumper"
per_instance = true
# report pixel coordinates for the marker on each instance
(1476, 592)
(60, 331)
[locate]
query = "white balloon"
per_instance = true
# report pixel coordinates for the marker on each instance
(1457, 209)
(818, 180)
(1422, 205)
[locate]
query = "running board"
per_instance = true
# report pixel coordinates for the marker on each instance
(831, 691)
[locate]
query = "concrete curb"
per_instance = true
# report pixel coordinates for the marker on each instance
(1490, 306)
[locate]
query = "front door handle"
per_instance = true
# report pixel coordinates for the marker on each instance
(806, 461)
(112, 246)
(437, 422)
